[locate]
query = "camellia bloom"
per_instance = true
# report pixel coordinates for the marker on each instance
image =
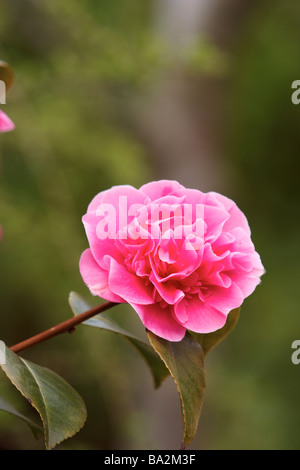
(6, 123)
(181, 258)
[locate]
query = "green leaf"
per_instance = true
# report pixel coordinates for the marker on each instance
(61, 409)
(210, 340)
(158, 370)
(6, 74)
(36, 429)
(185, 361)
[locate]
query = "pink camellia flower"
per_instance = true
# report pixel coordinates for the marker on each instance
(6, 123)
(181, 258)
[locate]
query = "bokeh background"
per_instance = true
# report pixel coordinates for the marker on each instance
(125, 92)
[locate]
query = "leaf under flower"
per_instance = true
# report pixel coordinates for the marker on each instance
(157, 368)
(185, 361)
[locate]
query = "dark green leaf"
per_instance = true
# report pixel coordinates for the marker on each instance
(61, 409)
(184, 359)
(36, 429)
(157, 367)
(210, 340)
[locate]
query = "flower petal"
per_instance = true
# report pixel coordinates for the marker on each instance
(160, 321)
(96, 278)
(6, 123)
(237, 218)
(225, 299)
(198, 316)
(116, 196)
(158, 189)
(129, 286)
(167, 290)
(99, 245)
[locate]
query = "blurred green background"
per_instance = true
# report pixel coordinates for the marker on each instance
(110, 93)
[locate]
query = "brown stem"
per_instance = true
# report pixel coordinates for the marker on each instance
(66, 326)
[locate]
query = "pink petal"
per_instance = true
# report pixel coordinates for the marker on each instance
(223, 242)
(215, 219)
(168, 249)
(160, 321)
(224, 299)
(6, 123)
(257, 264)
(106, 217)
(247, 281)
(237, 218)
(217, 277)
(198, 316)
(100, 248)
(158, 189)
(210, 261)
(124, 197)
(96, 278)
(129, 286)
(242, 243)
(115, 196)
(246, 284)
(167, 291)
(193, 197)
